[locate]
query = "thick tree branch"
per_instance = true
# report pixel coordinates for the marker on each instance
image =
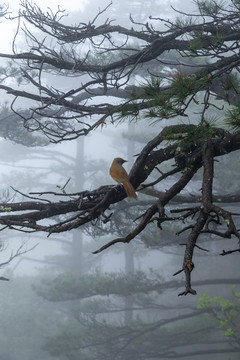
(188, 265)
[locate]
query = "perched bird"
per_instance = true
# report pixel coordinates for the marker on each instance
(119, 174)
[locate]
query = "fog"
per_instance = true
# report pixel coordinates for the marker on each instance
(64, 302)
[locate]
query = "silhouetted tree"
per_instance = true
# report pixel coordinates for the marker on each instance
(203, 52)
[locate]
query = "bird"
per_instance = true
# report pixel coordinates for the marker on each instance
(119, 174)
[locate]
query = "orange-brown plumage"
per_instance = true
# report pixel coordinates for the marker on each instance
(119, 174)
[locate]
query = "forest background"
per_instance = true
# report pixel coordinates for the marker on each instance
(63, 302)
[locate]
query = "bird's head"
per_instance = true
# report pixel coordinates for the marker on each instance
(120, 161)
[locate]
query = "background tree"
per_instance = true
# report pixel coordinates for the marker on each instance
(96, 327)
(95, 313)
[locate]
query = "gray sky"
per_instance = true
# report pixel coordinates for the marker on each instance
(9, 27)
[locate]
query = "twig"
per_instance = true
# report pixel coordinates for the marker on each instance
(229, 252)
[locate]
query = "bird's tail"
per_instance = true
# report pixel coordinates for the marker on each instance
(129, 190)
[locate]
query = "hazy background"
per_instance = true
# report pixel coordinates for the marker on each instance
(44, 168)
